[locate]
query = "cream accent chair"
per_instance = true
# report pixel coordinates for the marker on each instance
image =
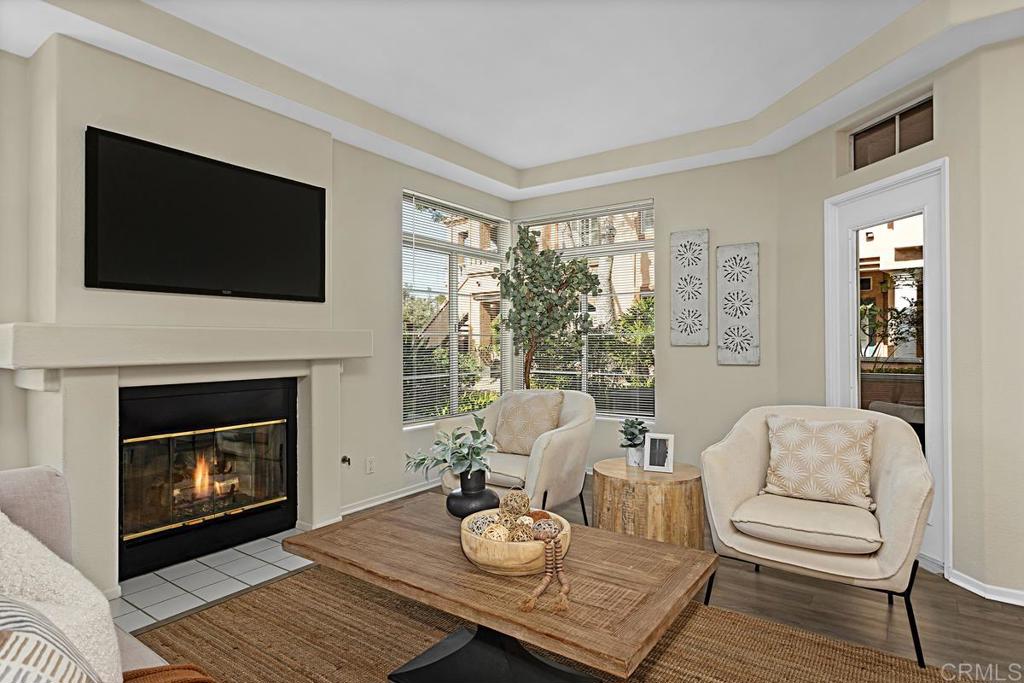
(554, 471)
(734, 472)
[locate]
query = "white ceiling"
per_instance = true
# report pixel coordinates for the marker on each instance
(530, 82)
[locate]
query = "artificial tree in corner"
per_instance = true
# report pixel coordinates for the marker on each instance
(545, 294)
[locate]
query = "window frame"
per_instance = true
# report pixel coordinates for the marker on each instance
(598, 251)
(452, 250)
(894, 114)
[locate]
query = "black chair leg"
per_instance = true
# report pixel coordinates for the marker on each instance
(889, 593)
(583, 507)
(707, 591)
(910, 617)
(757, 569)
(913, 631)
(544, 501)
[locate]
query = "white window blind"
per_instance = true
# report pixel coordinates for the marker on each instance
(451, 341)
(615, 362)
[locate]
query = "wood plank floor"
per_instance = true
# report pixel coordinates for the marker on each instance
(956, 625)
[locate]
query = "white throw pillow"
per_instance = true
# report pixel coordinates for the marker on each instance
(32, 574)
(33, 649)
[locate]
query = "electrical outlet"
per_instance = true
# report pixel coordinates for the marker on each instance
(371, 464)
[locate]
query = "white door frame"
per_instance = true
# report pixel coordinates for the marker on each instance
(925, 190)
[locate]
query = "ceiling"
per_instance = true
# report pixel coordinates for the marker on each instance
(534, 82)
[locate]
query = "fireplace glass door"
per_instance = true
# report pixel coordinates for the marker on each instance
(187, 478)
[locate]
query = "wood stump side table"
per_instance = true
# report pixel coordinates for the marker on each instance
(662, 506)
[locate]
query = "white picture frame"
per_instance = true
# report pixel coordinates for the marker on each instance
(658, 452)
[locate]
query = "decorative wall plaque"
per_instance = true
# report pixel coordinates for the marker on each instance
(689, 288)
(739, 305)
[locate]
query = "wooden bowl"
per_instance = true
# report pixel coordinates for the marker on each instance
(505, 558)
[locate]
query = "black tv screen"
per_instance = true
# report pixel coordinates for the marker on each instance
(158, 219)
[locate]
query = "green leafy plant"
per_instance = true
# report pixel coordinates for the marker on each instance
(459, 451)
(893, 325)
(633, 432)
(545, 294)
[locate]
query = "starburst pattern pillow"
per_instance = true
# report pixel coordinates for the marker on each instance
(827, 461)
(524, 416)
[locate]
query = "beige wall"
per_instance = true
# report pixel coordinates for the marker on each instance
(368, 295)
(696, 399)
(14, 117)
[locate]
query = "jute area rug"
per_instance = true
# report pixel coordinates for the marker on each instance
(322, 626)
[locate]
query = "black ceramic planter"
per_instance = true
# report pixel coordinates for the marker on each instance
(473, 495)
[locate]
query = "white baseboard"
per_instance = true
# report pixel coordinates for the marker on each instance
(112, 593)
(930, 564)
(388, 497)
(1012, 596)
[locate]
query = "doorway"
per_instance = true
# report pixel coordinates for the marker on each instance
(886, 316)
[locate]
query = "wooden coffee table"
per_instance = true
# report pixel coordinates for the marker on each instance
(626, 592)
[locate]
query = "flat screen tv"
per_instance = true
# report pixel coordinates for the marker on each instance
(158, 219)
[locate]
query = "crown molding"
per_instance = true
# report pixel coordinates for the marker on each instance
(923, 40)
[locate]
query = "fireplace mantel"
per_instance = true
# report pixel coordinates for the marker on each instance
(74, 373)
(45, 346)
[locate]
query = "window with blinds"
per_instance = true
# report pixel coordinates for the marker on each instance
(451, 341)
(615, 362)
(893, 134)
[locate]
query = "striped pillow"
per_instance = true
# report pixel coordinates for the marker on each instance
(33, 650)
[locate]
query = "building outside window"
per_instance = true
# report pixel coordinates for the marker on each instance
(451, 341)
(615, 362)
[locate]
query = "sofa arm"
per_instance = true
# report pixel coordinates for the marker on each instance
(732, 471)
(36, 499)
(558, 463)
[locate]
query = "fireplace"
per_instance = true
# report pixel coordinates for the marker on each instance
(204, 467)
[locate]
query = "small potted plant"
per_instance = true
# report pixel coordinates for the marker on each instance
(633, 432)
(465, 454)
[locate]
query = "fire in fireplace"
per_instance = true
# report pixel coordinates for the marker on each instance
(204, 467)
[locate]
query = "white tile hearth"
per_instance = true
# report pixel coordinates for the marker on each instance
(176, 571)
(293, 563)
(134, 621)
(151, 596)
(220, 589)
(273, 554)
(222, 557)
(264, 573)
(240, 566)
(194, 582)
(174, 606)
(280, 536)
(170, 592)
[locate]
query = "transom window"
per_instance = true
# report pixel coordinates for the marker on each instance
(451, 341)
(894, 133)
(615, 362)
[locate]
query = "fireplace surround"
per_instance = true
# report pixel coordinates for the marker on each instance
(204, 467)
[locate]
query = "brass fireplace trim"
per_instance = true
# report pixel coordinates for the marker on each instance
(196, 432)
(205, 518)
